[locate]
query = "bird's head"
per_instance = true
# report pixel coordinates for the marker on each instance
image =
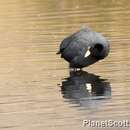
(98, 48)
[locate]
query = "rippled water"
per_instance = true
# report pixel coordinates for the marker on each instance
(37, 91)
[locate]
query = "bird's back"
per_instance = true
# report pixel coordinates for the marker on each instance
(75, 44)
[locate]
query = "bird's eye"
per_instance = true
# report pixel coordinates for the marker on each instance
(98, 46)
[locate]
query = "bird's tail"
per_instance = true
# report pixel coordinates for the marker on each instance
(58, 52)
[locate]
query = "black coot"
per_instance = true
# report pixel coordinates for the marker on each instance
(84, 48)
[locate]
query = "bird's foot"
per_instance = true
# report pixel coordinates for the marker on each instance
(75, 69)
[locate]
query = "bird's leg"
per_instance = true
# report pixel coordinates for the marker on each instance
(80, 69)
(75, 69)
(71, 68)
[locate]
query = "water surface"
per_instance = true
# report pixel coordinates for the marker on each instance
(37, 91)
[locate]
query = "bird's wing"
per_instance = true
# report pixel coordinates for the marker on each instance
(64, 44)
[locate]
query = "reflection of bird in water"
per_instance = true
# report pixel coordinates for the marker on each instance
(82, 88)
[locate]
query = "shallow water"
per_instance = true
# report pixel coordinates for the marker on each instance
(37, 91)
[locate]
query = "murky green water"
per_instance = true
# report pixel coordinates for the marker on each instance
(37, 91)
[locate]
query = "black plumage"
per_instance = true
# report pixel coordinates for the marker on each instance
(84, 48)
